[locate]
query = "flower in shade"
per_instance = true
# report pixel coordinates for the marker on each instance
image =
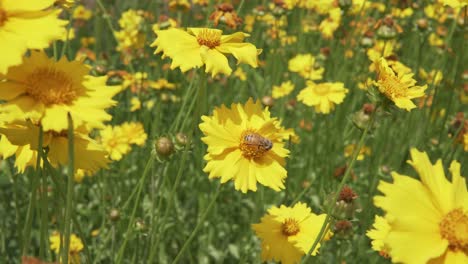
(288, 233)
(397, 85)
(304, 65)
(26, 25)
(76, 246)
(282, 90)
(45, 91)
(246, 145)
(22, 141)
(204, 46)
(323, 96)
(426, 219)
(363, 152)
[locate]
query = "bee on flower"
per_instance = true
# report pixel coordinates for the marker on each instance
(246, 145)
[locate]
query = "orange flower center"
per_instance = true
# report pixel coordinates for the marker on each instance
(322, 89)
(454, 228)
(51, 86)
(3, 17)
(209, 37)
(290, 227)
(253, 145)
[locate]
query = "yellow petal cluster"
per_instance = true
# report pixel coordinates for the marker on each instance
(117, 140)
(245, 145)
(305, 66)
(204, 46)
(288, 233)
(397, 84)
(26, 25)
(323, 96)
(425, 220)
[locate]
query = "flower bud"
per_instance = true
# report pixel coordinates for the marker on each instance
(164, 147)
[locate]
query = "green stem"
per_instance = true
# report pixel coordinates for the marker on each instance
(32, 201)
(331, 208)
(70, 184)
(44, 200)
(198, 226)
(132, 218)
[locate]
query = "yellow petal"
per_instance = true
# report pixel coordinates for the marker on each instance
(215, 61)
(243, 52)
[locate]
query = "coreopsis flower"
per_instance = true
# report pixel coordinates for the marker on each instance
(305, 66)
(81, 13)
(455, 3)
(45, 91)
(282, 90)
(162, 84)
(130, 36)
(240, 73)
(179, 5)
(204, 46)
(349, 150)
(26, 25)
(288, 233)
(135, 104)
(397, 86)
(426, 219)
(329, 25)
(76, 246)
(323, 96)
(117, 140)
(22, 140)
(380, 231)
(225, 13)
(246, 145)
(434, 76)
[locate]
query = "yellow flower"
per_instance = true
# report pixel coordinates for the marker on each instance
(117, 140)
(381, 49)
(434, 76)
(88, 155)
(45, 91)
(179, 5)
(245, 145)
(135, 104)
(131, 35)
(427, 219)
(162, 84)
(455, 3)
(323, 96)
(328, 26)
(349, 150)
(204, 46)
(26, 25)
(304, 65)
(378, 234)
(25, 157)
(398, 86)
(76, 246)
(282, 90)
(82, 13)
(288, 233)
(239, 73)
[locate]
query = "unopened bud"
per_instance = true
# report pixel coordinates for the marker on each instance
(164, 146)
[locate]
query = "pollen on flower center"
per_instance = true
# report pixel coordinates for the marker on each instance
(209, 37)
(454, 228)
(393, 87)
(3, 17)
(290, 227)
(254, 145)
(51, 86)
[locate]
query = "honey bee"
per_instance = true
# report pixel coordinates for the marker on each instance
(254, 139)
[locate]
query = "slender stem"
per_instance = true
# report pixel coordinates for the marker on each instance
(32, 201)
(331, 208)
(69, 201)
(132, 218)
(44, 200)
(198, 226)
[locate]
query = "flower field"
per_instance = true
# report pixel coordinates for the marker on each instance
(217, 131)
